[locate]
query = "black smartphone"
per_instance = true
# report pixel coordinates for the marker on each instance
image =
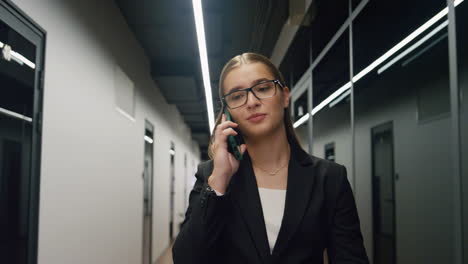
(234, 142)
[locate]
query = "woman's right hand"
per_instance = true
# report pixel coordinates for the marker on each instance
(224, 163)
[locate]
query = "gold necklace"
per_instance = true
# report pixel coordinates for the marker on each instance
(276, 171)
(272, 173)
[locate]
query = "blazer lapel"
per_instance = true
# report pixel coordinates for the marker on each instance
(245, 195)
(300, 183)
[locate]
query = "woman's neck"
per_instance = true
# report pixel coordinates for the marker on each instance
(269, 151)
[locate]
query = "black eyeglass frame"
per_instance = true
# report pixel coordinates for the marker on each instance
(250, 89)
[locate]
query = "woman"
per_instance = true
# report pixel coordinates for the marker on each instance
(278, 204)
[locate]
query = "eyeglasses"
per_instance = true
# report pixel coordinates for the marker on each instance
(262, 90)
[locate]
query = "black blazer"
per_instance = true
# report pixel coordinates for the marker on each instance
(320, 212)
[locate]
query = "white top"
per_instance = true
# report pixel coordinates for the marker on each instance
(273, 208)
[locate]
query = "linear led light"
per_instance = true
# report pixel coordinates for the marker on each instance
(422, 51)
(149, 140)
(339, 99)
(413, 47)
(405, 41)
(331, 98)
(301, 120)
(198, 14)
(323, 104)
(14, 114)
(125, 114)
(377, 62)
(21, 58)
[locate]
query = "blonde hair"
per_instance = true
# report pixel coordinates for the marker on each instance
(247, 58)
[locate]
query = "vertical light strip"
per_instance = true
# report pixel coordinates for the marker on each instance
(198, 14)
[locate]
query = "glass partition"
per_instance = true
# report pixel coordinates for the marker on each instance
(403, 131)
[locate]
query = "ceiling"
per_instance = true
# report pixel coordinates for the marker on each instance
(166, 31)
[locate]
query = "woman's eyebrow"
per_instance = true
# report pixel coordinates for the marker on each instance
(257, 81)
(260, 80)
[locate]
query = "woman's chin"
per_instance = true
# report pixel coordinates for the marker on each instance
(259, 132)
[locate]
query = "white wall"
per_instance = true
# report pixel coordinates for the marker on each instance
(92, 156)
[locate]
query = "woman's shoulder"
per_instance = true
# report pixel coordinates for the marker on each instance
(333, 175)
(323, 165)
(320, 165)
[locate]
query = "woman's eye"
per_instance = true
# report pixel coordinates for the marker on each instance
(263, 89)
(236, 97)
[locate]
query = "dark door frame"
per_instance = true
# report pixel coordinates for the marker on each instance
(388, 126)
(148, 183)
(15, 18)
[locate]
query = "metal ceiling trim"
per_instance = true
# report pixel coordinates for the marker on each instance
(288, 32)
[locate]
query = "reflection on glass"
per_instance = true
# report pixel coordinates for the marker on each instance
(462, 58)
(402, 121)
(148, 193)
(324, 25)
(16, 113)
(172, 194)
(300, 109)
(300, 106)
(330, 152)
(297, 60)
(331, 120)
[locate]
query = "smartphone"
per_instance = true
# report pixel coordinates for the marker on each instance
(234, 142)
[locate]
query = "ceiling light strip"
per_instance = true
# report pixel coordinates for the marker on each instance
(149, 140)
(339, 99)
(198, 14)
(323, 104)
(377, 62)
(19, 58)
(122, 112)
(331, 98)
(23, 59)
(15, 115)
(402, 43)
(422, 51)
(413, 47)
(301, 120)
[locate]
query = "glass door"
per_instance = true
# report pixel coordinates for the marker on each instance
(148, 193)
(20, 126)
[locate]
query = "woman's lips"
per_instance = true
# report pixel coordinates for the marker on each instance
(257, 118)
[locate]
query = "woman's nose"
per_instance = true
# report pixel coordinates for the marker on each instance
(252, 100)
